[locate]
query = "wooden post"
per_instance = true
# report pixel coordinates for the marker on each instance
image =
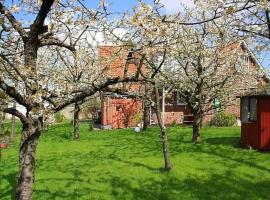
(163, 104)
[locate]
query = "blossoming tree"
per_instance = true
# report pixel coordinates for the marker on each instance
(36, 81)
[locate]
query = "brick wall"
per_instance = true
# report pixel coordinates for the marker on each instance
(113, 62)
(121, 112)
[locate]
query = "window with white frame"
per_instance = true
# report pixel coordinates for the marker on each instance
(248, 109)
(216, 104)
(243, 64)
(179, 100)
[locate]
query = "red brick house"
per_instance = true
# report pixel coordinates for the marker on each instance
(119, 111)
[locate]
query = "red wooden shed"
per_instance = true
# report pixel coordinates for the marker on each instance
(255, 118)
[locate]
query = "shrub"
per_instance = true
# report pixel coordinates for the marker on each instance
(223, 119)
(59, 117)
(138, 117)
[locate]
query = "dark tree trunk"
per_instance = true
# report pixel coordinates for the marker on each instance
(31, 131)
(197, 123)
(31, 125)
(76, 123)
(164, 136)
(27, 160)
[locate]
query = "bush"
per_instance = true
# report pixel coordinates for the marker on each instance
(59, 117)
(223, 119)
(138, 118)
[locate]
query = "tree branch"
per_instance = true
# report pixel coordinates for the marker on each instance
(11, 91)
(92, 90)
(56, 42)
(37, 27)
(16, 113)
(14, 22)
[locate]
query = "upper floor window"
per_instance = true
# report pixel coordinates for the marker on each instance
(243, 64)
(179, 100)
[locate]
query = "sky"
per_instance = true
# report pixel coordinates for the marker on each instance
(171, 6)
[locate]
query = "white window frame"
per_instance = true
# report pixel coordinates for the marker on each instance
(244, 59)
(179, 102)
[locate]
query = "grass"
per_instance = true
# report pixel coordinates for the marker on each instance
(120, 164)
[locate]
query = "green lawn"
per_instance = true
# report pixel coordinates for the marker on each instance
(120, 164)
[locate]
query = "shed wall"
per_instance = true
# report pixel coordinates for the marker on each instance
(264, 120)
(249, 135)
(250, 132)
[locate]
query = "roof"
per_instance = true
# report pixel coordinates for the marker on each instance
(255, 59)
(260, 92)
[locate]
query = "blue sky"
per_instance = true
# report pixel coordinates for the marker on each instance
(171, 6)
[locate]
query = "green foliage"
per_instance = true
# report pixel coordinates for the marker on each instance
(223, 119)
(138, 117)
(174, 123)
(59, 117)
(119, 164)
(68, 134)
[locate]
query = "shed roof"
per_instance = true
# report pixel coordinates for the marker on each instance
(260, 92)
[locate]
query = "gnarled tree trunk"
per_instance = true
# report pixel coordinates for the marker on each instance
(31, 130)
(164, 136)
(27, 159)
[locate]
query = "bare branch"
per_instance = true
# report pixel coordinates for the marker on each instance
(12, 92)
(37, 27)
(16, 113)
(14, 22)
(56, 42)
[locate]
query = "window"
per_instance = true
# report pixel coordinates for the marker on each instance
(249, 109)
(216, 104)
(253, 109)
(243, 65)
(245, 110)
(179, 100)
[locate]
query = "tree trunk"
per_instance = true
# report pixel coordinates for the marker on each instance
(164, 136)
(31, 130)
(196, 127)
(27, 160)
(76, 125)
(146, 115)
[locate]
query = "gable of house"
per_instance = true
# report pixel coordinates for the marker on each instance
(117, 62)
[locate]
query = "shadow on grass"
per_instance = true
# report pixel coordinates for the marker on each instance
(84, 174)
(215, 187)
(229, 141)
(226, 148)
(10, 190)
